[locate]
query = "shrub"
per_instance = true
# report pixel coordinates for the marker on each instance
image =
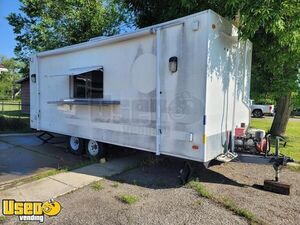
(128, 199)
(97, 185)
(11, 124)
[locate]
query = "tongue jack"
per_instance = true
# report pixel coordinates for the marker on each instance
(280, 161)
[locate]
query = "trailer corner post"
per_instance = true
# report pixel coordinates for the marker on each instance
(234, 102)
(158, 112)
(38, 111)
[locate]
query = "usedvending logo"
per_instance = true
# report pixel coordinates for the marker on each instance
(30, 210)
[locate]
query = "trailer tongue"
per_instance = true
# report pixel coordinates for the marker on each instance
(256, 143)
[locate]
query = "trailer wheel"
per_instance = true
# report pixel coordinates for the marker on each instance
(76, 145)
(257, 113)
(95, 149)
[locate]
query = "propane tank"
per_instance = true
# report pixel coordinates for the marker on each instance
(260, 134)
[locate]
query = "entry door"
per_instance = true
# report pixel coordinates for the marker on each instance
(171, 109)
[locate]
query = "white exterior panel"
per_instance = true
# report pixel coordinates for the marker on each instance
(188, 98)
(228, 84)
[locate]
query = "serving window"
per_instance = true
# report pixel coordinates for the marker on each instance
(88, 85)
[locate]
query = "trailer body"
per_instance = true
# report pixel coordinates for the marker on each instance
(177, 88)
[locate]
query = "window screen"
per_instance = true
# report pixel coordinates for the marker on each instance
(89, 85)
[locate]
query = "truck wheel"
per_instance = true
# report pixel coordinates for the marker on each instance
(257, 113)
(95, 149)
(76, 145)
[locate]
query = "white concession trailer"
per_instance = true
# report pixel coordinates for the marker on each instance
(178, 88)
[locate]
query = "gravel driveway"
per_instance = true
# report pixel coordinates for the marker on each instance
(161, 206)
(268, 207)
(162, 200)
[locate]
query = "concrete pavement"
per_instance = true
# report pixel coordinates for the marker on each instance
(26, 155)
(59, 184)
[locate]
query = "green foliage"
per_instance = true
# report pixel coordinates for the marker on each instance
(50, 24)
(8, 87)
(296, 98)
(2, 219)
(231, 205)
(149, 12)
(293, 133)
(273, 26)
(128, 199)
(263, 99)
(224, 201)
(97, 185)
(12, 119)
(200, 189)
(115, 185)
(274, 29)
(12, 124)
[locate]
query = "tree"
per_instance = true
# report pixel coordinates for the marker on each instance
(296, 98)
(49, 24)
(274, 28)
(8, 87)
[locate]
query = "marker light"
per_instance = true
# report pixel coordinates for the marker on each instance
(173, 61)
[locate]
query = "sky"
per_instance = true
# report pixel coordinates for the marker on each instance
(7, 37)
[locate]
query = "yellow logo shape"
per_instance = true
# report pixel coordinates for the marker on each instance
(51, 208)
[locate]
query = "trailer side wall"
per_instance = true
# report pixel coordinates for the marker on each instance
(129, 77)
(228, 84)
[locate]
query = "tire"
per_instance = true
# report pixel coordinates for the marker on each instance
(95, 149)
(257, 113)
(76, 145)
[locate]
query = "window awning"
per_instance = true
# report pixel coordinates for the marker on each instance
(79, 70)
(86, 102)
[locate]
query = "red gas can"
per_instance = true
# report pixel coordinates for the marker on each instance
(240, 132)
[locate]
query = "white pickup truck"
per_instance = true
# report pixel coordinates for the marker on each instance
(260, 110)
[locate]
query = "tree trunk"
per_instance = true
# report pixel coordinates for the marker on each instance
(282, 115)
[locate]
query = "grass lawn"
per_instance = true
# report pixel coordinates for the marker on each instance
(14, 124)
(9, 106)
(14, 113)
(292, 148)
(12, 119)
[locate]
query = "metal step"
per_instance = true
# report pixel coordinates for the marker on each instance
(227, 157)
